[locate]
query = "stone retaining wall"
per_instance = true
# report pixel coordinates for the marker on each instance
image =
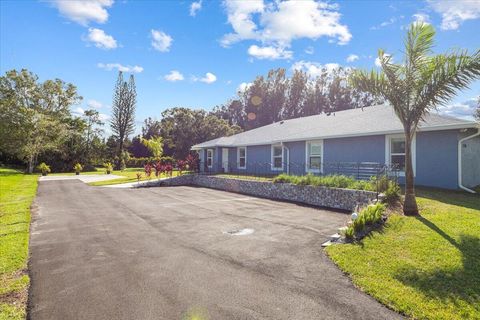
(345, 199)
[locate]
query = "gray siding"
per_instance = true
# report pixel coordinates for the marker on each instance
(437, 159)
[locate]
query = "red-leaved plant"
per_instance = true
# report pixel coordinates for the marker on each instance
(192, 162)
(169, 170)
(148, 170)
(159, 169)
(181, 166)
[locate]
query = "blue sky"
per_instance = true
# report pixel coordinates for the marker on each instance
(197, 53)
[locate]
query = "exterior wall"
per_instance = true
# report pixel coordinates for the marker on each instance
(297, 157)
(344, 199)
(437, 159)
(354, 149)
(471, 162)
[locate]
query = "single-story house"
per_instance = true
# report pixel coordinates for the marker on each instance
(446, 150)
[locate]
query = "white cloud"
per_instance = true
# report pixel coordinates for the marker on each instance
(314, 69)
(278, 23)
(119, 67)
(352, 57)
(79, 112)
(384, 24)
(456, 12)
(377, 60)
(173, 76)
(195, 7)
(243, 86)
(462, 110)
(269, 52)
(309, 50)
(160, 40)
(421, 18)
(84, 11)
(209, 78)
(94, 104)
(100, 39)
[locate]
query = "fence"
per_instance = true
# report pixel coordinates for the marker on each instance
(357, 170)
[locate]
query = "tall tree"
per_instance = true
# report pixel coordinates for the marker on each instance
(418, 84)
(123, 112)
(93, 121)
(34, 116)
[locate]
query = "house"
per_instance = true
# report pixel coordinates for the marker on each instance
(445, 150)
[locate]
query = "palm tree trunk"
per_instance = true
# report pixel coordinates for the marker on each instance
(410, 204)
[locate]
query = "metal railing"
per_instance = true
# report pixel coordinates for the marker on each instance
(356, 170)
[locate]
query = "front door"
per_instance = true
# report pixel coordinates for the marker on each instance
(225, 159)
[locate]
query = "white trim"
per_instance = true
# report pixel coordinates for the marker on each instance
(307, 156)
(271, 157)
(388, 138)
(206, 158)
(238, 157)
(225, 164)
(460, 184)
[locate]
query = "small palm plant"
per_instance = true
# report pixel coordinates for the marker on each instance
(420, 83)
(78, 168)
(108, 167)
(44, 168)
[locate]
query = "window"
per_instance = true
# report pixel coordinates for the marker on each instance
(395, 152)
(242, 158)
(314, 156)
(277, 157)
(209, 157)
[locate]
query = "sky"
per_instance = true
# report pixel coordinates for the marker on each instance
(199, 53)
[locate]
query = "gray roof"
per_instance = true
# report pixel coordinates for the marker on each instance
(373, 120)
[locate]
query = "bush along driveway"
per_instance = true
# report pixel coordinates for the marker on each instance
(17, 191)
(427, 266)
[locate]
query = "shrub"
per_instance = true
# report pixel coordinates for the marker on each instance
(349, 233)
(369, 216)
(44, 168)
(392, 194)
(108, 167)
(148, 170)
(78, 168)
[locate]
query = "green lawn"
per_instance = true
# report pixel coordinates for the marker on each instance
(128, 175)
(426, 267)
(17, 191)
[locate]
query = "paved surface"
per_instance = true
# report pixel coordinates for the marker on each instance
(87, 178)
(162, 253)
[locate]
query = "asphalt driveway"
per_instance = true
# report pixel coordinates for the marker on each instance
(166, 253)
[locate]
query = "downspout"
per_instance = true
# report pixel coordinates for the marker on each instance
(288, 157)
(460, 161)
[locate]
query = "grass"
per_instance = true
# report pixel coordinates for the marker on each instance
(129, 175)
(426, 267)
(333, 181)
(17, 191)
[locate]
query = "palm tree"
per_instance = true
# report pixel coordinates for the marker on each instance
(417, 85)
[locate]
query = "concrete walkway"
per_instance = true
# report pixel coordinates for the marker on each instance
(86, 178)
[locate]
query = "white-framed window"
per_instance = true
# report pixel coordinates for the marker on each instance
(277, 157)
(314, 156)
(241, 157)
(395, 152)
(209, 158)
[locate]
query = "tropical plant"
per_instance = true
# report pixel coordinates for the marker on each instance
(192, 161)
(78, 168)
(154, 145)
(139, 176)
(159, 168)
(108, 167)
(44, 168)
(148, 170)
(181, 166)
(416, 85)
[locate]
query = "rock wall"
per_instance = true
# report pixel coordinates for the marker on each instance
(345, 199)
